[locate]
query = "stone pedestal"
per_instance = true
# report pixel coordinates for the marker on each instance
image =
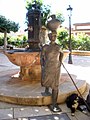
(26, 89)
(27, 92)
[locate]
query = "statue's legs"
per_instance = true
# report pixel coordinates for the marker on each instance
(54, 96)
(54, 107)
(46, 90)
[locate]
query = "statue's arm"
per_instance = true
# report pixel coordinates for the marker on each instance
(42, 58)
(61, 56)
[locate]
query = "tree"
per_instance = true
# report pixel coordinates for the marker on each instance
(60, 17)
(62, 38)
(7, 25)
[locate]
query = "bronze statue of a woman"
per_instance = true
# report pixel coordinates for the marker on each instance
(51, 59)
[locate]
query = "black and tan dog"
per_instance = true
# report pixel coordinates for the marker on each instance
(75, 102)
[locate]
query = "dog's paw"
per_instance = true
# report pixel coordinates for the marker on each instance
(84, 111)
(73, 114)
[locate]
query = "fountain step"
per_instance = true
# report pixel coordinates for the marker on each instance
(25, 92)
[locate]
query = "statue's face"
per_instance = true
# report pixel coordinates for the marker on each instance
(53, 37)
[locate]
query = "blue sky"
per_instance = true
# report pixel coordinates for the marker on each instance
(15, 10)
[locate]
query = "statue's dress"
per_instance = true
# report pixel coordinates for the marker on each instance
(52, 57)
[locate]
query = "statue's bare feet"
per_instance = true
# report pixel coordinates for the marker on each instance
(55, 108)
(46, 93)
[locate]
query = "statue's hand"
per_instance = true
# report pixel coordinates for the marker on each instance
(42, 66)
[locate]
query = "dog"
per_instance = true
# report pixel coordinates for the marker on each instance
(75, 102)
(88, 100)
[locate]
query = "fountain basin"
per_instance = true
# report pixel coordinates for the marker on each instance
(23, 58)
(29, 62)
(27, 58)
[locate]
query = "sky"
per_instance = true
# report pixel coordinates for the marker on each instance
(15, 10)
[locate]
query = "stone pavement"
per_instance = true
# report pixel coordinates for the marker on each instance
(18, 112)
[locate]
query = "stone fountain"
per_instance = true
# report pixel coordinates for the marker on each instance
(29, 59)
(26, 89)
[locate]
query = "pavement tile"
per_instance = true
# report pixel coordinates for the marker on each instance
(64, 107)
(4, 105)
(62, 116)
(72, 117)
(43, 110)
(9, 119)
(23, 119)
(23, 112)
(6, 114)
(82, 116)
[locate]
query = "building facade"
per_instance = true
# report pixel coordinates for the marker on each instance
(81, 28)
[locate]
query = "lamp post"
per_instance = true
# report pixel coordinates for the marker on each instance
(70, 48)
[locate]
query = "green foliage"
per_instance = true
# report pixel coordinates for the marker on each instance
(83, 42)
(45, 14)
(62, 38)
(60, 17)
(29, 4)
(18, 41)
(79, 42)
(7, 25)
(1, 39)
(73, 42)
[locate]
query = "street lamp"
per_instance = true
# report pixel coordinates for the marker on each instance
(70, 48)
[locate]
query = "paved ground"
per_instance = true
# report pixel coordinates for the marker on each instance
(17, 112)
